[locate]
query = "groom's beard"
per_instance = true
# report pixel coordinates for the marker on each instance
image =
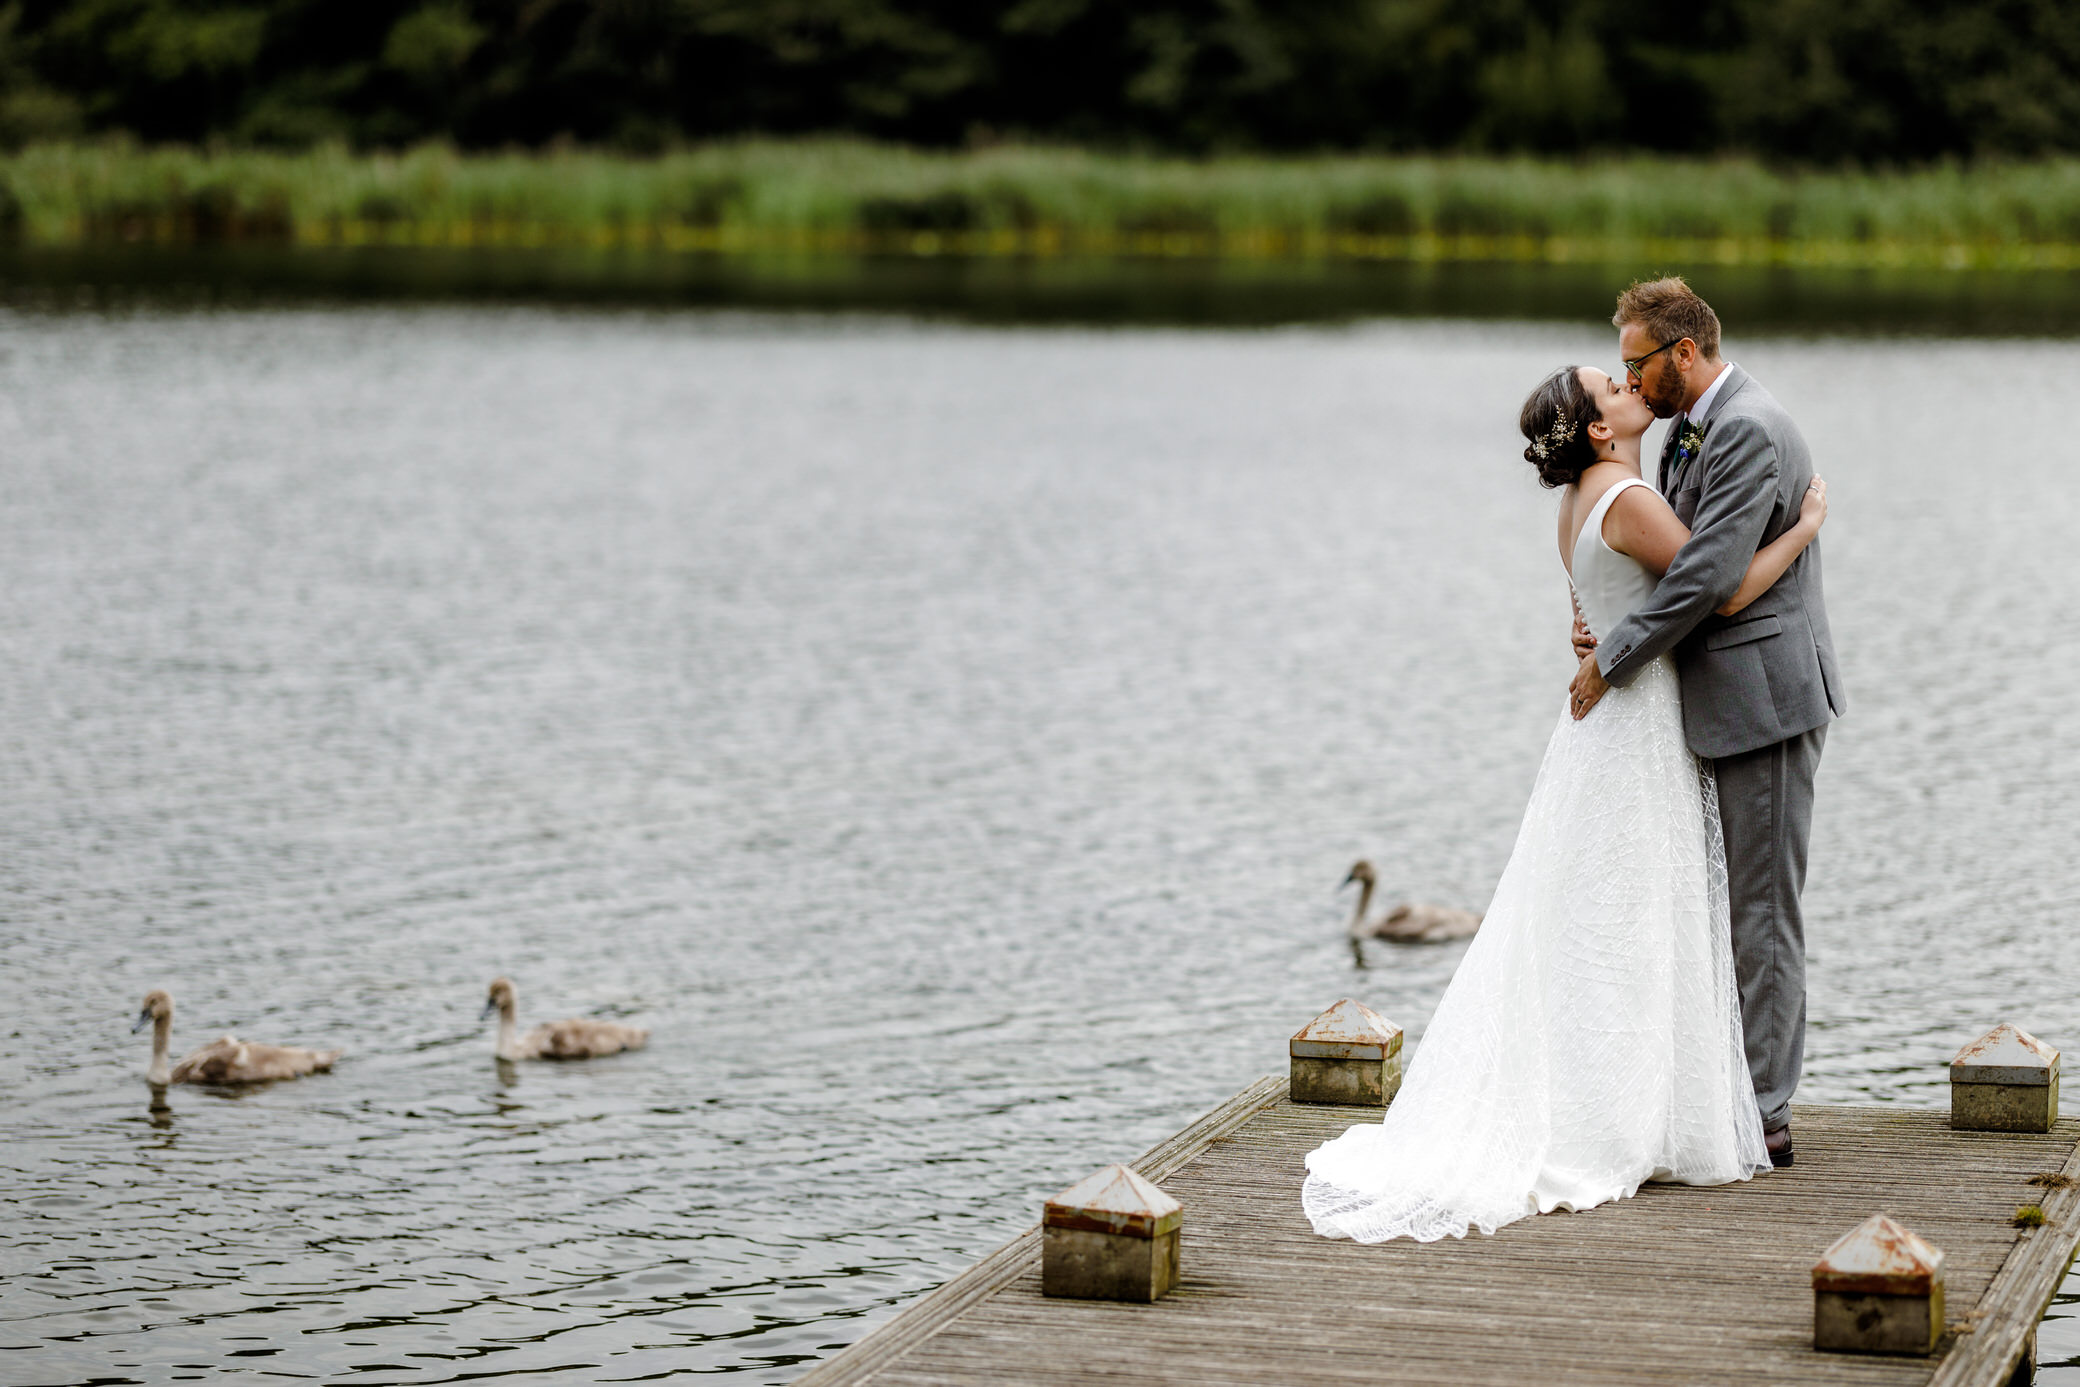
(1663, 395)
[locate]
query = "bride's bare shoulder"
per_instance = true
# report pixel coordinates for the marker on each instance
(1640, 501)
(1596, 479)
(1639, 522)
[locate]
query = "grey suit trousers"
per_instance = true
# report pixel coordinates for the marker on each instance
(1766, 812)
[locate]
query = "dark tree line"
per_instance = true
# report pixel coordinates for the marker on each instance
(1807, 80)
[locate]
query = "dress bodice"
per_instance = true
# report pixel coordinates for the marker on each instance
(1607, 584)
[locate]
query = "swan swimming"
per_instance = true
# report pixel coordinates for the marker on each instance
(1409, 922)
(575, 1038)
(225, 1060)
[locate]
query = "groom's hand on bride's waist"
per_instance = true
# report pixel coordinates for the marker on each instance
(1587, 688)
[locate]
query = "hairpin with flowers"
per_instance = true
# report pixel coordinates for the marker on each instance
(1554, 439)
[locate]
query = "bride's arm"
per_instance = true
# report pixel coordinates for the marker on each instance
(1775, 558)
(1641, 525)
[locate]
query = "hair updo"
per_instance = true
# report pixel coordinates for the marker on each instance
(1556, 419)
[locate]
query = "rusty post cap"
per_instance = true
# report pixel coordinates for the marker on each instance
(2005, 1055)
(1878, 1257)
(1349, 1030)
(1114, 1200)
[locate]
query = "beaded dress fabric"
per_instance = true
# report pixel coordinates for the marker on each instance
(1591, 1038)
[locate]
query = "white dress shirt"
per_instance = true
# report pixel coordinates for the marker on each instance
(1702, 410)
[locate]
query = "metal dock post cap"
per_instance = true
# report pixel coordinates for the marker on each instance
(1110, 1236)
(1878, 1289)
(1350, 1054)
(2005, 1081)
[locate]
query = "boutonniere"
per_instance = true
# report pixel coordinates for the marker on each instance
(1690, 441)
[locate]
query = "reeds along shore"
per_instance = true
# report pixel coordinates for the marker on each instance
(835, 196)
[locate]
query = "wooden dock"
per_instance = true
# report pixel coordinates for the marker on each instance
(1677, 1285)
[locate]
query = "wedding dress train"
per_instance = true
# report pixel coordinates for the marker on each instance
(1591, 1038)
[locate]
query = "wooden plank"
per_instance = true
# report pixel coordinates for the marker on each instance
(1677, 1284)
(2008, 1314)
(923, 1317)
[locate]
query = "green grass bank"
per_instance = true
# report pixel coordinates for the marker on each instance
(845, 197)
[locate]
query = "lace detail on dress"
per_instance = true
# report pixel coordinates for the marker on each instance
(1591, 1038)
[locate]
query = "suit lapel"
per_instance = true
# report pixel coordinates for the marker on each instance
(1729, 386)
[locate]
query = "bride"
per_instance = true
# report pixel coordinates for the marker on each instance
(1591, 1039)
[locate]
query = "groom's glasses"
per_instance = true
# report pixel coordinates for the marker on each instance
(1637, 366)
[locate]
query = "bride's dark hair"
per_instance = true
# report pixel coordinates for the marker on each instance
(1556, 418)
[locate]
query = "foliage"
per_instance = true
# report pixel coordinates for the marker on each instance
(854, 196)
(1787, 80)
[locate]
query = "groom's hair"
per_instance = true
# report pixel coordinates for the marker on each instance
(1670, 310)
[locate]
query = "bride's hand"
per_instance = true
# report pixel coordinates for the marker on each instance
(1813, 510)
(1587, 689)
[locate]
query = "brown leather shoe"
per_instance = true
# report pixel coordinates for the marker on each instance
(1778, 1144)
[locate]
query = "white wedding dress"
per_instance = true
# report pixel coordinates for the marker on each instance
(1591, 1039)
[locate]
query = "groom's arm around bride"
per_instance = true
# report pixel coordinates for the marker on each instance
(1735, 469)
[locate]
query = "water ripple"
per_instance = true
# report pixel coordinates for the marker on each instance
(946, 740)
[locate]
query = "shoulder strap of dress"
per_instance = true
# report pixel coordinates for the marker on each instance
(1602, 507)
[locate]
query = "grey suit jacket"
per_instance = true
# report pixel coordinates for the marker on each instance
(1767, 672)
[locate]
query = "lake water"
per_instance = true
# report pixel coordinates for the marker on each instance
(947, 739)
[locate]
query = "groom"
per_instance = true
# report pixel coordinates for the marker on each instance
(1759, 687)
